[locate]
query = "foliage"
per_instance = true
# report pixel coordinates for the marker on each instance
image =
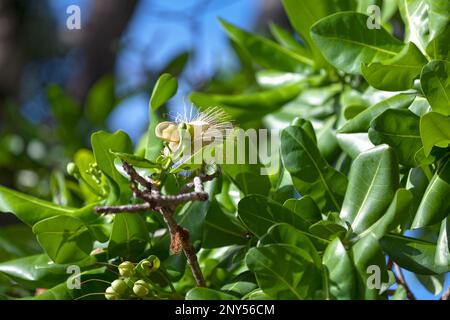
(364, 176)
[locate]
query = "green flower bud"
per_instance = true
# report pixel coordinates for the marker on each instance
(119, 286)
(141, 288)
(148, 265)
(126, 269)
(72, 169)
(154, 260)
(110, 294)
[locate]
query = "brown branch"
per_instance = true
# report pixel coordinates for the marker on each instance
(166, 206)
(401, 280)
(125, 208)
(446, 294)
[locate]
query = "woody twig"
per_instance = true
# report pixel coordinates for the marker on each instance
(166, 204)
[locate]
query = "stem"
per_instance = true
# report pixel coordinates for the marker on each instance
(401, 280)
(186, 245)
(166, 206)
(446, 294)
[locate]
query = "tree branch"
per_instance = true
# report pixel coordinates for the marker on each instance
(401, 280)
(446, 294)
(166, 206)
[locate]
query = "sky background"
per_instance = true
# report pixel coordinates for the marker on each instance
(159, 31)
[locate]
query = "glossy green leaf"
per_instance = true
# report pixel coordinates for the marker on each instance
(397, 73)
(435, 81)
(259, 213)
(267, 53)
(285, 272)
(361, 123)
(129, 236)
(442, 257)
(327, 229)
(400, 130)
(135, 160)
(208, 294)
(396, 213)
(304, 207)
(412, 254)
(17, 241)
(283, 233)
(28, 208)
(415, 16)
(367, 254)
(303, 14)
(342, 275)
(38, 271)
(65, 239)
(433, 283)
(310, 173)
(221, 229)
(102, 143)
(164, 89)
(101, 100)
(435, 206)
(439, 47)
(240, 288)
(438, 16)
(84, 159)
(248, 106)
(373, 181)
(287, 40)
(434, 131)
(346, 42)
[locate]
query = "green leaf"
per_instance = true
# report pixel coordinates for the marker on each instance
(287, 40)
(412, 254)
(304, 207)
(38, 271)
(60, 192)
(397, 73)
(29, 209)
(208, 294)
(84, 159)
(303, 14)
(249, 106)
(327, 229)
(164, 89)
(283, 233)
(433, 284)
(285, 272)
(439, 47)
(17, 241)
(346, 42)
(435, 81)
(342, 276)
(259, 213)
(310, 173)
(267, 53)
(221, 229)
(438, 16)
(240, 288)
(367, 253)
(434, 131)
(435, 206)
(373, 180)
(101, 100)
(396, 213)
(65, 239)
(400, 130)
(415, 15)
(102, 143)
(442, 257)
(135, 160)
(361, 123)
(129, 236)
